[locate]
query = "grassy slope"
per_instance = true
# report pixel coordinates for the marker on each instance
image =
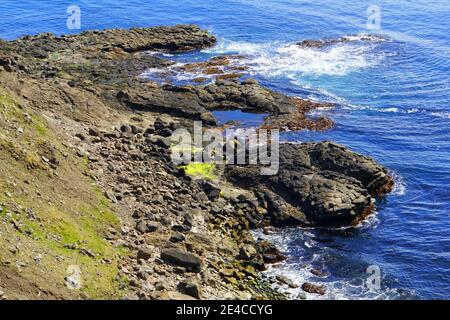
(44, 209)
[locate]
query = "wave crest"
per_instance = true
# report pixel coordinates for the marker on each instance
(290, 60)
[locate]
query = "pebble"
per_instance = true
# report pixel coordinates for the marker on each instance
(38, 258)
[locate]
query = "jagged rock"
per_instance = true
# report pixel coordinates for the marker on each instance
(247, 252)
(322, 184)
(313, 288)
(318, 44)
(269, 252)
(182, 258)
(191, 288)
(100, 70)
(318, 273)
(285, 280)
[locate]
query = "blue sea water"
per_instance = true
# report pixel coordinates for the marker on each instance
(393, 104)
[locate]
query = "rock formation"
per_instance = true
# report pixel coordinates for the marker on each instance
(79, 119)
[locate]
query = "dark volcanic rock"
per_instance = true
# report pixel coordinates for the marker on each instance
(270, 252)
(177, 38)
(182, 258)
(196, 102)
(109, 64)
(317, 44)
(313, 288)
(144, 253)
(322, 184)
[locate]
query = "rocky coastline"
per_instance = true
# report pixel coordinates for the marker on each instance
(185, 236)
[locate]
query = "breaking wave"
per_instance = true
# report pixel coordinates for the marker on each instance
(322, 95)
(290, 60)
(312, 253)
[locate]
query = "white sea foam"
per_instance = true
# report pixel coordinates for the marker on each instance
(293, 60)
(300, 271)
(444, 115)
(275, 59)
(399, 184)
(290, 60)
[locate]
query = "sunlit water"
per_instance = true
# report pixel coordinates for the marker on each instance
(392, 101)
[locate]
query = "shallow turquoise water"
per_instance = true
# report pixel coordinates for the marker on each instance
(393, 104)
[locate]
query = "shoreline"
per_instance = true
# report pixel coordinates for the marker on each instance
(183, 238)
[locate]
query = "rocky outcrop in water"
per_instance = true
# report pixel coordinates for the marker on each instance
(323, 43)
(283, 112)
(318, 184)
(187, 236)
(108, 64)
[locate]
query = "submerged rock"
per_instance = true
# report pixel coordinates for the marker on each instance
(318, 44)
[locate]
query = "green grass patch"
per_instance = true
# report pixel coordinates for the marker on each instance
(72, 211)
(200, 169)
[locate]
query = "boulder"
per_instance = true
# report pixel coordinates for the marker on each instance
(269, 252)
(247, 252)
(141, 226)
(144, 253)
(285, 280)
(313, 288)
(182, 258)
(191, 288)
(174, 295)
(177, 237)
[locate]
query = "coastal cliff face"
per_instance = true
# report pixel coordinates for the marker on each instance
(88, 181)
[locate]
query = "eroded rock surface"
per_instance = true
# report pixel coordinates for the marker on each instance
(107, 66)
(89, 88)
(196, 102)
(321, 184)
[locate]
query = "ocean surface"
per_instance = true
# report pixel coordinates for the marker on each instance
(392, 103)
